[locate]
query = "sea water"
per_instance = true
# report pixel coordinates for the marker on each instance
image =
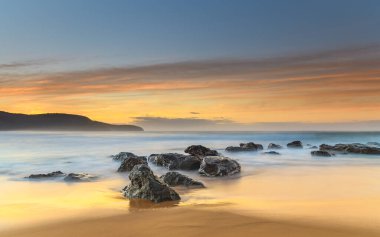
(25, 153)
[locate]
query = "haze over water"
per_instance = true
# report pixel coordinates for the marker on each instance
(293, 184)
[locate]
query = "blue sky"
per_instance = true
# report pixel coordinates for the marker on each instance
(100, 33)
(233, 63)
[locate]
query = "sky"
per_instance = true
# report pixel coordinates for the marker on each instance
(195, 64)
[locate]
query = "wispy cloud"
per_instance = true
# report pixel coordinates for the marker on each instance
(331, 85)
(197, 124)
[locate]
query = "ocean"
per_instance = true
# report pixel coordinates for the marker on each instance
(268, 184)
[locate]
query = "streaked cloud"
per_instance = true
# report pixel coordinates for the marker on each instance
(327, 86)
(197, 124)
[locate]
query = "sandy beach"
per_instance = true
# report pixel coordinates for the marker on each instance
(183, 221)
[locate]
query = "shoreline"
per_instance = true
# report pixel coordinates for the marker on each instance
(184, 221)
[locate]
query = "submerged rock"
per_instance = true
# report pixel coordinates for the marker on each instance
(128, 163)
(48, 175)
(219, 166)
(274, 146)
(313, 147)
(356, 148)
(145, 185)
(271, 153)
(321, 153)
(295, 144)
(80, 177)
(174, 161)
(175, 179)
(199, 150)
(124, 155)
(250, 146)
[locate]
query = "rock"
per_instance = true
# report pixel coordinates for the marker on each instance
(199, 150)
(218, 166)
(274, 146)
(250, 146)
(128, 163)
(48, 175)
(174, 179)
(295, 144)
(373, 144)
(174, 161)
(124, 155)
(356, 148)
(81, 177)
(271, 153)
(321, 153)
(313, 147)
(145, 185)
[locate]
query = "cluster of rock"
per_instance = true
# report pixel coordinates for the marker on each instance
(146, 185)
(355, 148)
(175, 161)
(174, 178)
(250, 146)
(129, 160)
(321, 153)
(295, 144)
(273, 146)
(71, 177)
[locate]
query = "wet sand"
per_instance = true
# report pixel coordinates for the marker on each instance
(275, 201)
(184, 221)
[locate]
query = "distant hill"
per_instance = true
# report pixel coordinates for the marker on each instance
(57, 122)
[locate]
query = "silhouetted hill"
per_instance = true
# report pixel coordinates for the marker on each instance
(55, 121)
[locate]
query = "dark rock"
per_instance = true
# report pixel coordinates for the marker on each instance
(81, 177)
(48, 175)
(250, 146)
(174, 179)
(356, 148)
(313, 147)
(145, 185)
(199, 150)
(321, 153)
(373, 144)
(124, 155)
(174, 161)
(271, 153)
(295, 144)
(274, 146)
(219, 166)
(128, 163)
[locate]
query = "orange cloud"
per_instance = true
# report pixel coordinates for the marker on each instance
(335, 85)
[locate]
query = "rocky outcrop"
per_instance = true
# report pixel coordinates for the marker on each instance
(128, 163)
(272, 146)
(81, 177)
(176, 179)
(124, 155)
(48, 175)
(321, 153)
(271, 153)
(219, 166)
(295, 144)
(175, 161)
(356, 148)
(145, 185)
(250, 146)
(199, 150)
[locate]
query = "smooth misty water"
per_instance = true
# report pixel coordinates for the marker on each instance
(268, 183)
(23, 153)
